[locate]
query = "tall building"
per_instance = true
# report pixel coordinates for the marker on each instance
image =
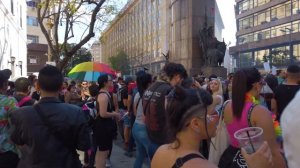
(140, 31)
(146, 30)
(36, 42)
(268, 30)
(96, 52)
(13, 37)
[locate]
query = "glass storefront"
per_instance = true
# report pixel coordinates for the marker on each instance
(277, 56)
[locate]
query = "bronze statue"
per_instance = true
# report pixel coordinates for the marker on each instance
(213, 50)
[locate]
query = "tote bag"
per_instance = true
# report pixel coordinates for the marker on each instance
(221, 141)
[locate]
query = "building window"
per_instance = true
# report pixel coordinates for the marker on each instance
(280, 55)
(261, 35)
(246, 23)
(32, 21)
(245, 5)
(32, 39)
(32, 60)
(31, 4)
(281, 11)
(296, 52)
(261, 56)
(245, 39)
(262, 18)
(295, 6)
(281, 30)
(246, 59)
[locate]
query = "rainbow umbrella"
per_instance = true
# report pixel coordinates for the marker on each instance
(90, 71)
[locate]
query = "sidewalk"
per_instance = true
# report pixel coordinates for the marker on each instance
(118, 159)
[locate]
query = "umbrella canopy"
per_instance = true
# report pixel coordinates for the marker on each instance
(90, 71)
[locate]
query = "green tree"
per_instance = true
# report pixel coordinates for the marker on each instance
(120, 62)
(82, 55)
(65, 16)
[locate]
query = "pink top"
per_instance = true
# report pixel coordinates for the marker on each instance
(238, 124)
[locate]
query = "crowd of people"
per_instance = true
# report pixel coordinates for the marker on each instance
(169, 120)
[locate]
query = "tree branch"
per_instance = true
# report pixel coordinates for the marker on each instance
(42, 26)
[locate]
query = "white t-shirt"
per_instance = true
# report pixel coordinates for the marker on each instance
(140, 117)
(290, 121)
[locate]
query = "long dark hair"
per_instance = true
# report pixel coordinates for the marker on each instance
(102, 80)
(143, 80)
(182, 105)
(243, 81)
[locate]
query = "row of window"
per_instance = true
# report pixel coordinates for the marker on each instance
(245, 5)
(271, 14)
(276, 56)
(272, 32)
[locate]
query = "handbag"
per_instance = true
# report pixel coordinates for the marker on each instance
(221, 141)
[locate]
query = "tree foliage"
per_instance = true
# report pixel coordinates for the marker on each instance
(120, 62)
(66, 15)
(82, 55)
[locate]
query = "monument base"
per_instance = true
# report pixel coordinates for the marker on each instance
(219, 71)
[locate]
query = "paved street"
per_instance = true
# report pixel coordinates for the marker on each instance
(118, 159)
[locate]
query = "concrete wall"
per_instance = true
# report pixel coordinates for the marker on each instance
(13, 36)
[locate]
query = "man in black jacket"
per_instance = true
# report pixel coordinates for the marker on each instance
(50, 131)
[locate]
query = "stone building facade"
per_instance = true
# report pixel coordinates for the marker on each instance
(149, 29)
(268, 30)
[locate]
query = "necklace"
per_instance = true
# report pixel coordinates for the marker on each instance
(251, 99)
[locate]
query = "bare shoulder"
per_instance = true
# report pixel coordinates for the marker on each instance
(161, 157)
(102, 98)
(260, 111)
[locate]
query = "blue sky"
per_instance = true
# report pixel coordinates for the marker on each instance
(226, 10)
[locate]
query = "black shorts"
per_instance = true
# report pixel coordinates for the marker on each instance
(104, 132)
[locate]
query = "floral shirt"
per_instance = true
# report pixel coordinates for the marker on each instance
(7, 105)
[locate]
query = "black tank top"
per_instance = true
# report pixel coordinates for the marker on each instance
(181, 161)
(109, 106)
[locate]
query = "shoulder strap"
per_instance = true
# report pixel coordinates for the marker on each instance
(181, 161)
(54, 132)
(109, 99)
(249, 114)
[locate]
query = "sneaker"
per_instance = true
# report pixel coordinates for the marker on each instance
(108, 164)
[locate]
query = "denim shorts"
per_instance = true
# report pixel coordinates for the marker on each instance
(127, 122)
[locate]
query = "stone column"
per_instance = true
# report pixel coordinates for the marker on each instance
(187, 19)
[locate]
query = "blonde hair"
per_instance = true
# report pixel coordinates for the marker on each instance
(220, 90)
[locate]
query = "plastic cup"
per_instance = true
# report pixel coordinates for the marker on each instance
(250, 138)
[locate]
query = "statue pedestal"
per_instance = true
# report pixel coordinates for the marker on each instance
(219, 71)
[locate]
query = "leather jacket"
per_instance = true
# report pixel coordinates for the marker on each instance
(53, 147)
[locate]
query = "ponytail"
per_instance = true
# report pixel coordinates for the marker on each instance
(239, 91)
